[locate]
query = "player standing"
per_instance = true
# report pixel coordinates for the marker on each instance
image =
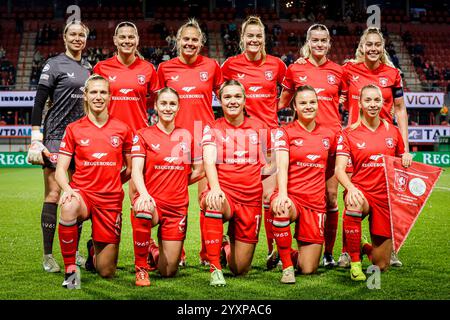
(325, 77)
(62, 80)
(365, 142)
(133, 80)
(372, 65)
(234, 149)
(100, 146)
(260, 73)
(162, 169)
(195, 78)
(304, 149)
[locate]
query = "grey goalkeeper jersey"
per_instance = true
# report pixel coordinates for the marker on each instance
(65, 78)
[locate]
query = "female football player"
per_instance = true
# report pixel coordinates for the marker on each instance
(195, 77)
(60, 82)
(260, 74)
(133, 81)
(365, 142)
(163, 167)
(326, 77)
(100, 146)
(234, 149)
(304, 149)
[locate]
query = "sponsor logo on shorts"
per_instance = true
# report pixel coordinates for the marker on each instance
(182, 225)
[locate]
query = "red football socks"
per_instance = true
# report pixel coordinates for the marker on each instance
(141, 235)
(68, 240)
(282, 234)
(213, 227)
(331, 223)
(352, 230)
(203, 254)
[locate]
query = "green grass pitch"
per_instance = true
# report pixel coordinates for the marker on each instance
(425, 255)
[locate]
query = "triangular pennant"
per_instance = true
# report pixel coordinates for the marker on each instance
(408, 190)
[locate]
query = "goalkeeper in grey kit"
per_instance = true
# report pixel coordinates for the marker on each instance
(61, 81)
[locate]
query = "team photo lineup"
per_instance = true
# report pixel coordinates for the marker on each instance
(122, 128)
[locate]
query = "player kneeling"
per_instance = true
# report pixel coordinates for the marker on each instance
(304, 149)
(233, 155)
(365, 142)
(163, 168)
(101, 146)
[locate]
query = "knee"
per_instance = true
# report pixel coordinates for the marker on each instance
(239, 270)
(106, 272)
(69, 211)
(308, 269)
(383, 265)
(169, 272)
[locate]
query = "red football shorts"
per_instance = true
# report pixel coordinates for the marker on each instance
(245, 221)
(105, 211)
(172, 223)
(309, 224)
(379, 216)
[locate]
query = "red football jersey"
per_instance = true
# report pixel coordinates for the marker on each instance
(260, 82)
(309, 154)
(195, 84)
(357, 75)
(240, 157)
(130, 89)
(365, 148)
(167, 164)
(327, 81)
(98, 153)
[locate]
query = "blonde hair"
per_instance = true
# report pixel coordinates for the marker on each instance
(191, 23)
(359, 54)
(128, 24)
(256, 21)
(166, 89)
(305, 51)
(76, 22)
(360, 116)
(92, 77)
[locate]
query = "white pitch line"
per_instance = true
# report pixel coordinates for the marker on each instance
(444, 188)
